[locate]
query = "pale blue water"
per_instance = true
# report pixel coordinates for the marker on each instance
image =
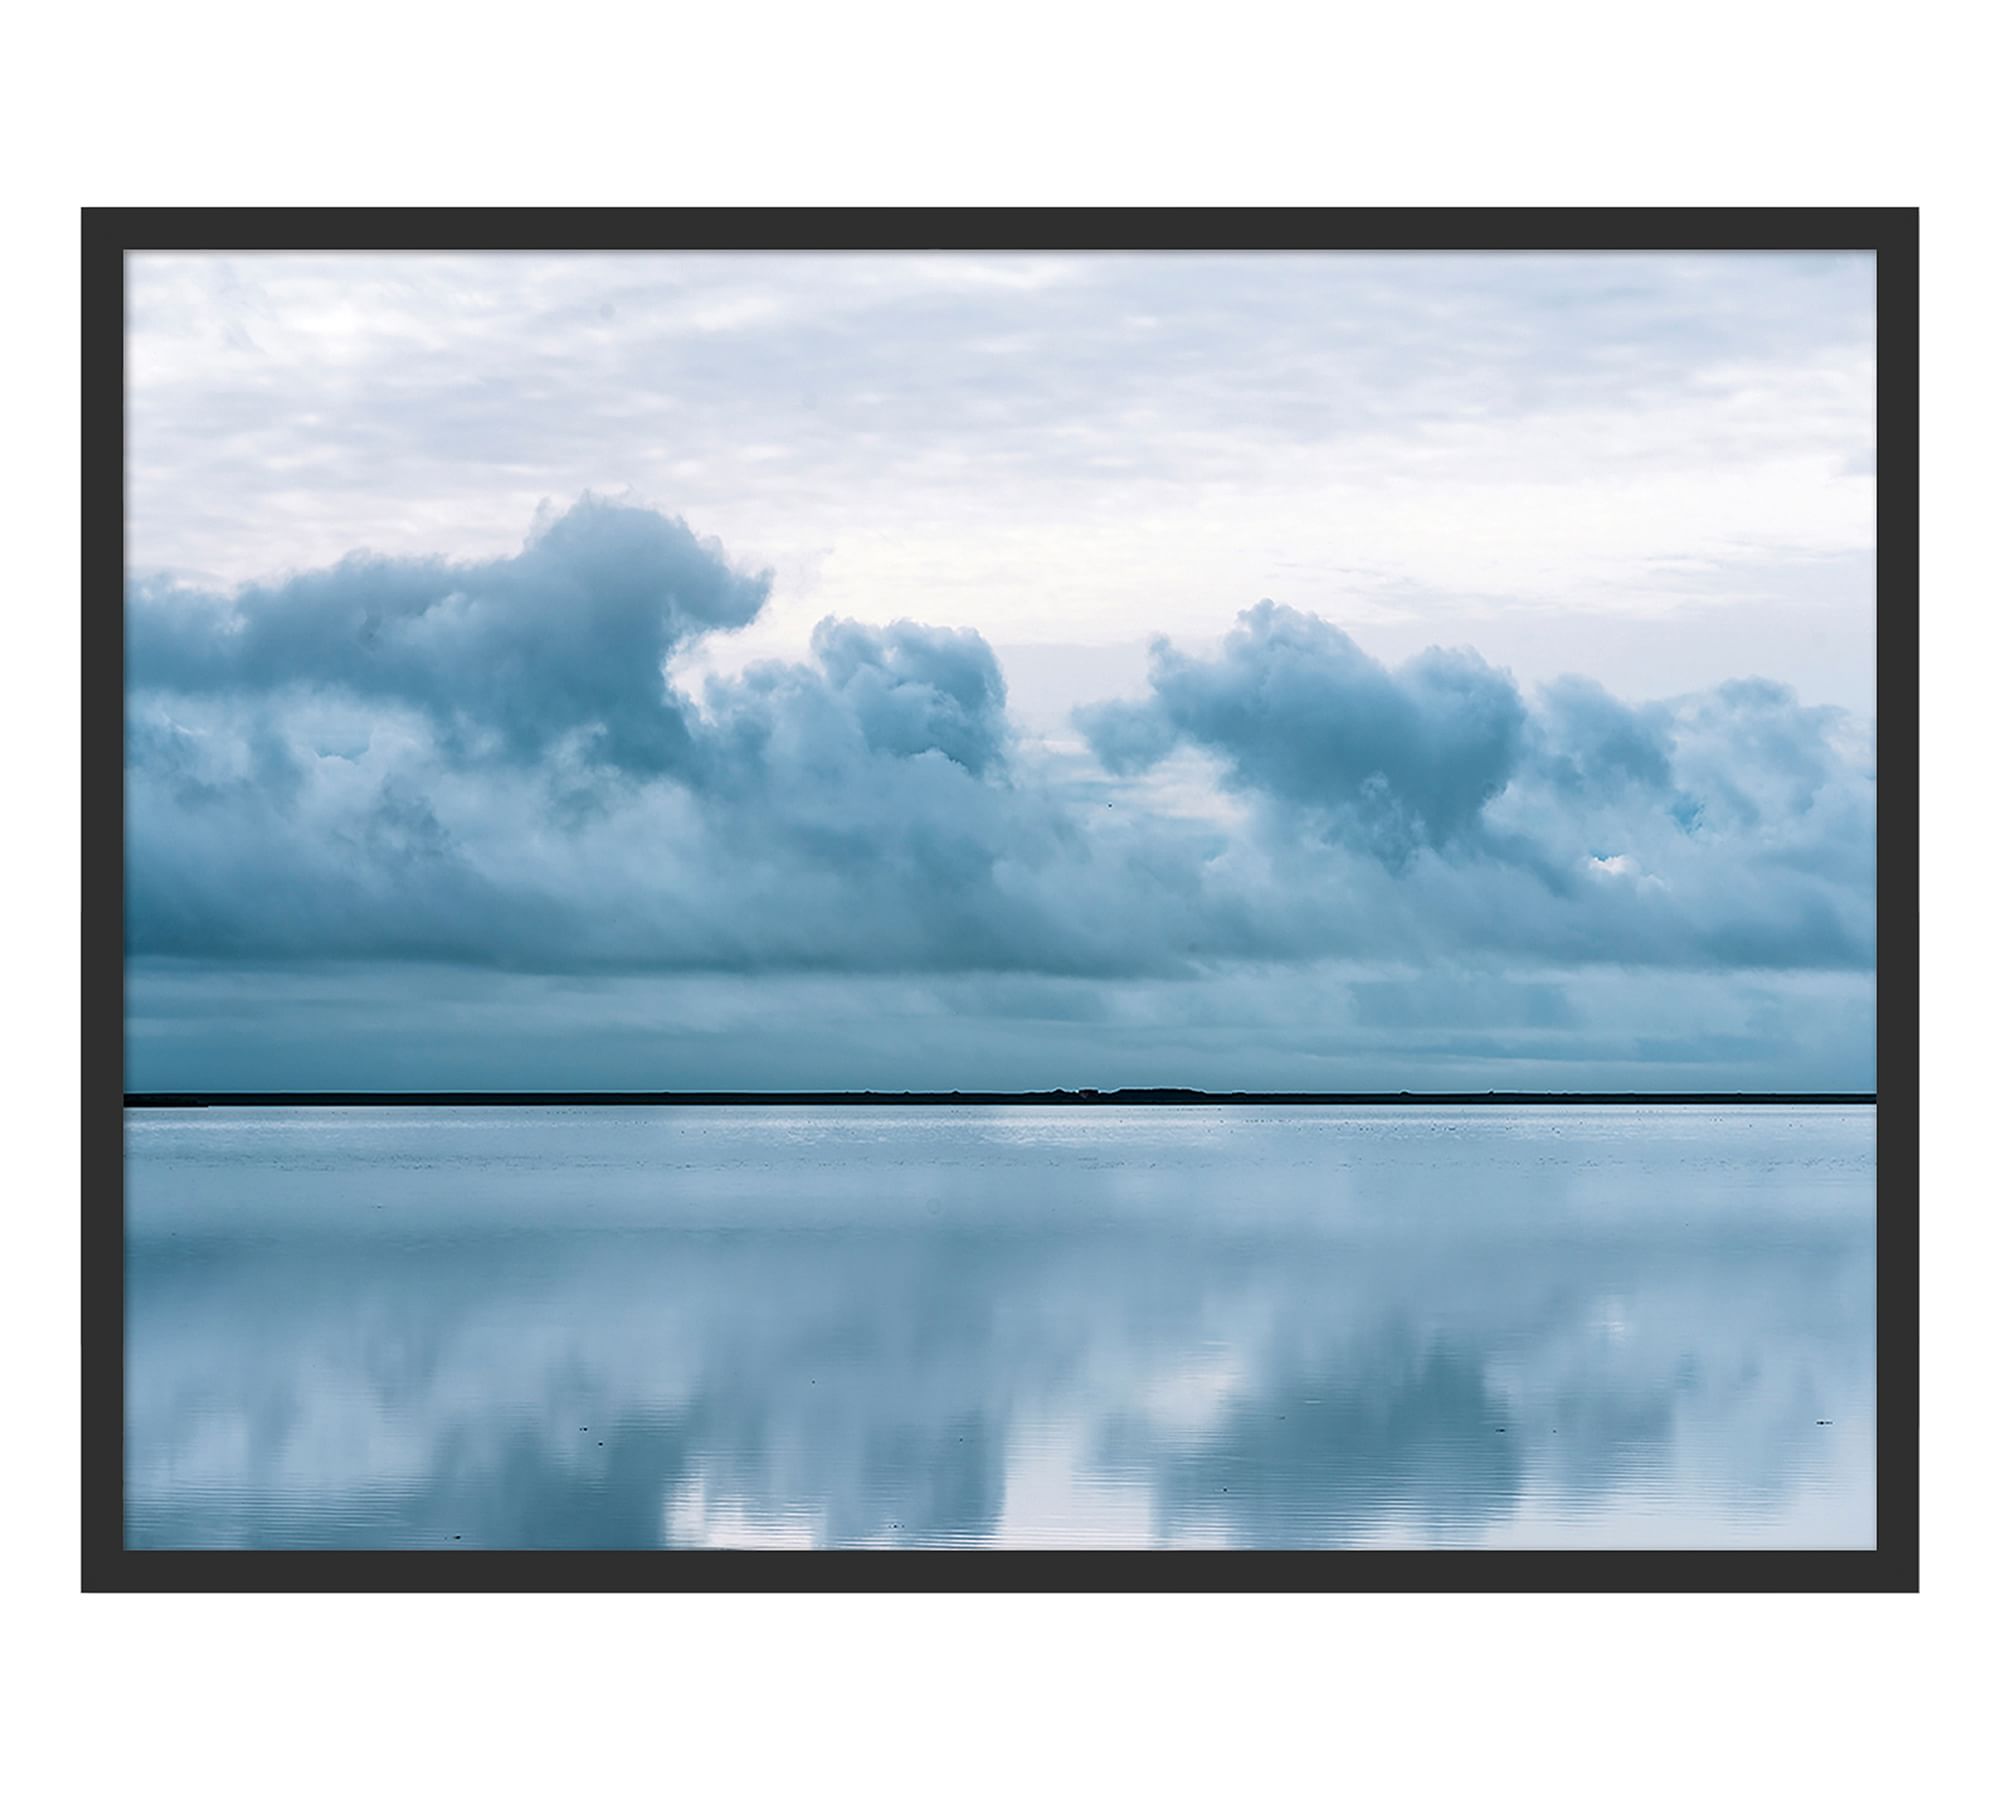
(1158, 1326)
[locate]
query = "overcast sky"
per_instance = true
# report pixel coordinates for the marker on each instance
(958, 670)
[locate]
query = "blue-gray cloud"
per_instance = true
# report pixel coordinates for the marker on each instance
(488, 764)
(1735, 828)
(569, 638)
(1391, 761)
(1593, 744)
(905, 690)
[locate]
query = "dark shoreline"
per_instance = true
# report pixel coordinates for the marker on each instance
(1048, 1097)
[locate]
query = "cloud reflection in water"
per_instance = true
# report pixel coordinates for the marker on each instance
(939, 1327)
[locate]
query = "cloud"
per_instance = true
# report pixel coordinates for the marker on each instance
(1389, 761)
(487, 764)
(1592, 743)
(568, 639)
(902, 690)
(1457, 816)
(1432, 1024)
(491, 768)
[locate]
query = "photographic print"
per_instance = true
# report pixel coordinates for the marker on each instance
(1123, 900)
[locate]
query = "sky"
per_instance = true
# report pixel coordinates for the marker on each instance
(1281, 671)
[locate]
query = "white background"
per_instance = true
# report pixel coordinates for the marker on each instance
(500, 104)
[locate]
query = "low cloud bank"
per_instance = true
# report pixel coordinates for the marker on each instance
(486, 763)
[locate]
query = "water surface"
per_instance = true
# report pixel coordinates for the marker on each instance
(1157, 1326)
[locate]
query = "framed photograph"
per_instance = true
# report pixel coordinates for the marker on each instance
(1002, 899)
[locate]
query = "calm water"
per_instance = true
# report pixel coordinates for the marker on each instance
(1186, 1326)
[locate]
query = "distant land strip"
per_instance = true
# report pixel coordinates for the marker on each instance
(1046, 1097)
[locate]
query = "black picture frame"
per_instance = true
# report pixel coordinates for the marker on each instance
(1891, 234)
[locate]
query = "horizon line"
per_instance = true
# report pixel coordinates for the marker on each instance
(1145, 1096)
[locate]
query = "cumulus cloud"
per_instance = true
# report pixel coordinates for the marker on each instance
(567, 639)
(904, 690)
(1592, 743)
(1391, 760)
(1735, 827)
(488, 763)
(856, 810)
